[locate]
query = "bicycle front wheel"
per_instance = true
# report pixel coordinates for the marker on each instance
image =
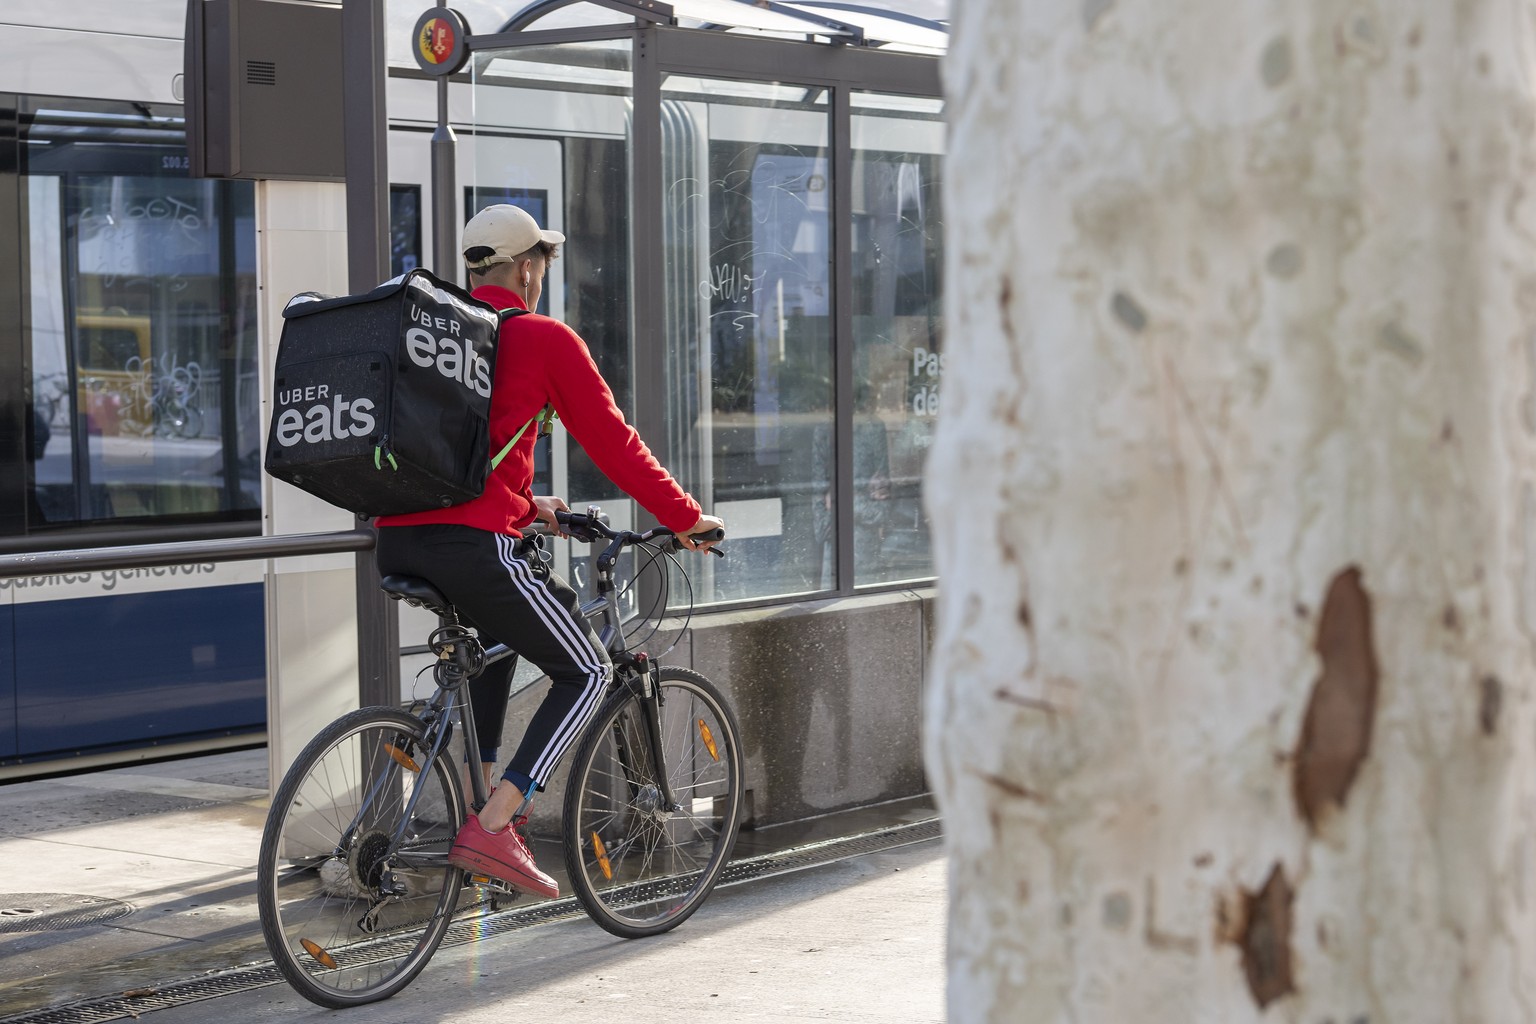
(353, 882)
(638, 866)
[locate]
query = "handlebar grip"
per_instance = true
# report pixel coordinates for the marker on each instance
(717, 534)
(579, 526)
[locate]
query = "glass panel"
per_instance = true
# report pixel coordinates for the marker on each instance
(404, 228)
(749, 330)
(898, 319)
(534, 200)
(879, 29)
(143, 341)
(559, 148)
(734, 14)
(597, 65)
(769, 92)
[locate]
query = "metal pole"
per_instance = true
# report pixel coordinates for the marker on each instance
(147, 556)
(15, 360)
(645, 206)
(842, 334)
(362, 58)
(445, 258)
(647, 225)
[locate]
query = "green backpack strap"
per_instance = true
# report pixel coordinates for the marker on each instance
(545, 414)
(542, 418)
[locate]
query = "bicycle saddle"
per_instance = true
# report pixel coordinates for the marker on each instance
(415, 591)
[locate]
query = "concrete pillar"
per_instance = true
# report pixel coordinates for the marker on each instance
(312, 601)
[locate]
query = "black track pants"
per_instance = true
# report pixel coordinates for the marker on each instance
(501, 588)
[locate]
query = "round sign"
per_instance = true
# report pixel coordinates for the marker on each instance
(441, 41)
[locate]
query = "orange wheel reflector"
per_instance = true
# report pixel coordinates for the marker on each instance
(314, 950)
(602, 857)
(402, 758)
(709, 740)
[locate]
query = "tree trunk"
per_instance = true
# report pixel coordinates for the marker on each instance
(1234, 512)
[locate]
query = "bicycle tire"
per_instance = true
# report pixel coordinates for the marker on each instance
(328, 853)
(636, 869)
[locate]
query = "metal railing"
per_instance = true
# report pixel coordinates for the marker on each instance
(147, 556)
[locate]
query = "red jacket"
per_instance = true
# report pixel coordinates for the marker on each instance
(541, 361)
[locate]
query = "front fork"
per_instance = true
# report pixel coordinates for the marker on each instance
(648, 696)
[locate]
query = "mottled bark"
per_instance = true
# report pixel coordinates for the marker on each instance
(1231, 714)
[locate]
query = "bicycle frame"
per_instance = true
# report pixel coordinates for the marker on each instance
(441, 704)
(603, 612)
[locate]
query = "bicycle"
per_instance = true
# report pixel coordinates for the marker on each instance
(353, 883)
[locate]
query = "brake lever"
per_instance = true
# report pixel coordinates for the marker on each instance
(676, 544)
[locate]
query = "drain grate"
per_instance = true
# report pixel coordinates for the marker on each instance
(469, 929)
(828, 851)
(56, 911)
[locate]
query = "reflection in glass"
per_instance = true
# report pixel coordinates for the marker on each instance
(143, 340)
(898, 329)
(404, 228)
(552, 136)
(534, 200)
(748, 326)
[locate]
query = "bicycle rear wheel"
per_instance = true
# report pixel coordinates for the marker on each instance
(353, 882)
(638, 867)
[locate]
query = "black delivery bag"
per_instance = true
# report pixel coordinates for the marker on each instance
(381, 402)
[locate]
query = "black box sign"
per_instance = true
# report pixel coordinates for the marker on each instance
(381, 402)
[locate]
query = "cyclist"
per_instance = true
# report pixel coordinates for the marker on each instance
(476, 554)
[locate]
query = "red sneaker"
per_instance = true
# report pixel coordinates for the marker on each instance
(502, 855)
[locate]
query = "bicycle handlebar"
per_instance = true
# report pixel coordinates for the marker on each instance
(591, 529)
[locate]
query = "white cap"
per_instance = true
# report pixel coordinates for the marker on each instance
(507, 230)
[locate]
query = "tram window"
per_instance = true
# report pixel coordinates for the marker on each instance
(141, 327)
(534, 200)
(404, 228)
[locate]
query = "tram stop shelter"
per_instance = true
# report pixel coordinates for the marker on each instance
(751, 193)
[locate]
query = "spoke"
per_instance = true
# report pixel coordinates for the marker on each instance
(589, 826)
(662, 860)
(697, 785)
(354, 789)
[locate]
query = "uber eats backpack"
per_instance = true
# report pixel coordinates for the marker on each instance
(381, 402)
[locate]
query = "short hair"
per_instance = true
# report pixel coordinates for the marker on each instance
(549, 250)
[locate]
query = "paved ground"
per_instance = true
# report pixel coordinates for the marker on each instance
(130, 879)
(170, 847)
(858, 941)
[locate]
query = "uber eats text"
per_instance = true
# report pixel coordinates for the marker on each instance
(328, 417)
(315, 414)
(455, 357)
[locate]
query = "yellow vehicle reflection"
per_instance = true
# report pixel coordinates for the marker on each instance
(114, 359)
(123, 390)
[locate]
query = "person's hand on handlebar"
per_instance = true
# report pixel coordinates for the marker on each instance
(546, 507)
(707, 525)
